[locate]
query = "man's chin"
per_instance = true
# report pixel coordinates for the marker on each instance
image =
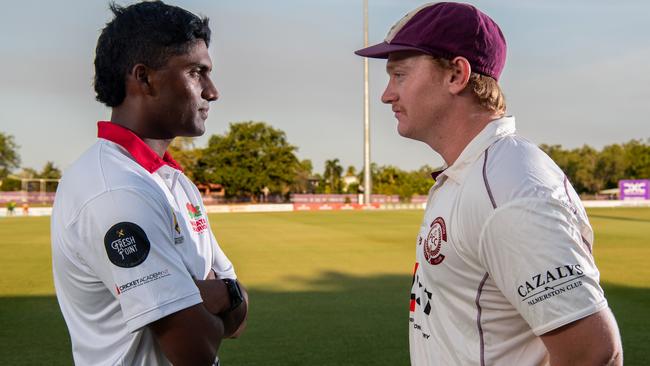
(403, 131)
(198, 129)
(407, 133)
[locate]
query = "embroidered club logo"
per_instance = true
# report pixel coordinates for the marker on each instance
(198, 222)
(433, 243)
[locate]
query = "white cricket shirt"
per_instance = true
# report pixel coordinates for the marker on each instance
(129, 234)
(503, 256)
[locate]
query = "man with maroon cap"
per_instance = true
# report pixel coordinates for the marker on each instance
(504, 272)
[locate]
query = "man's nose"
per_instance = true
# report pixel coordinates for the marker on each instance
(210, 92)
(389, 95)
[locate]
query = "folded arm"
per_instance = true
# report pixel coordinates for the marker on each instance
(593, 340)
(217, 301)
(189, 337)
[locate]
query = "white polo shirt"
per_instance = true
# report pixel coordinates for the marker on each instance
(503, 256)
(129, 234)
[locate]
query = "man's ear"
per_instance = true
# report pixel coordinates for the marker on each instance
(459, 77)
(141, 78)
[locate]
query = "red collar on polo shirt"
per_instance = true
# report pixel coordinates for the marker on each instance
(140, 151)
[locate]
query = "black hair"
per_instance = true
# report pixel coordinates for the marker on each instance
(147, 33)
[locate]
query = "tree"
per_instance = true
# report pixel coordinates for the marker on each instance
(302, 183)
(585, 159)
(421, 179)
(350, 180)
(27, 173)
(50, 171)
(590, 171)
(386, 179)
(182, 149)
(250, 156)
(391, 180)
(9, 158)
(610, 166)
(332, 176)
(637, 159)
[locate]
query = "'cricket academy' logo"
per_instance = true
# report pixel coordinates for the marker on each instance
(126, 244)
(198, 222)
(120, 289)
(433, 242)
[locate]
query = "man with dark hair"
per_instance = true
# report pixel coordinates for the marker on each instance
(504, 272)
(139, 276)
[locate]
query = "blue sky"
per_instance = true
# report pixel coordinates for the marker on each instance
(578, 72)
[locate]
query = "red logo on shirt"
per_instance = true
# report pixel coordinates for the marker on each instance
(199, 223)
(193, 211)
(433, 243)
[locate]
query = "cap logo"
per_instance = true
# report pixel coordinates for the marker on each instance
(400, 24)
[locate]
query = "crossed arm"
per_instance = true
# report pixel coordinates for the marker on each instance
(192, 336)
(593, 340)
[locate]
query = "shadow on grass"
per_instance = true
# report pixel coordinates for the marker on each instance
(362, 321)
(630, 306)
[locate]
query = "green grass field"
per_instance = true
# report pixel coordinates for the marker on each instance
(327, 288)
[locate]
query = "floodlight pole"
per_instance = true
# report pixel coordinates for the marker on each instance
(367, 184)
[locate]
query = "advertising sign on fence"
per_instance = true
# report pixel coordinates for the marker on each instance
(634, 189)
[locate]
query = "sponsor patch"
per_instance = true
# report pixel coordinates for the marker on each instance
(126, 244)
(193, 211)
(198, 222)
(553, 282)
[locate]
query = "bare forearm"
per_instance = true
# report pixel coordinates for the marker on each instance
(214, 295)
(217, 301)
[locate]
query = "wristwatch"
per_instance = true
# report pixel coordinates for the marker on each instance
(236, 297)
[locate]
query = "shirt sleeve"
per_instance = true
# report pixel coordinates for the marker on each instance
(130, 247)
(534, 251)
(220, 262)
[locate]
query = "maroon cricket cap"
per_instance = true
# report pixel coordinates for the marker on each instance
(447, 30)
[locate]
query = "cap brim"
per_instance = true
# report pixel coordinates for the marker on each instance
(382, 50)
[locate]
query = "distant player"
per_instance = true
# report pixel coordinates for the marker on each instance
(11, 207)
(139, 276)
(504, 272)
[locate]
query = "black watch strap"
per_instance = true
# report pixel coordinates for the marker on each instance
(234, 292)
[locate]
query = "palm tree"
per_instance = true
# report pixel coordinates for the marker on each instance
(332, 175)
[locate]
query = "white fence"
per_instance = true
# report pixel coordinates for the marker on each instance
(47, 211)
(616, 203)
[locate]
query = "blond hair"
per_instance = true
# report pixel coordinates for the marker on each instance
(485, 88)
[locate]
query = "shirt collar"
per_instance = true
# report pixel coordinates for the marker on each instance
(492, 132)
(140, 151)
